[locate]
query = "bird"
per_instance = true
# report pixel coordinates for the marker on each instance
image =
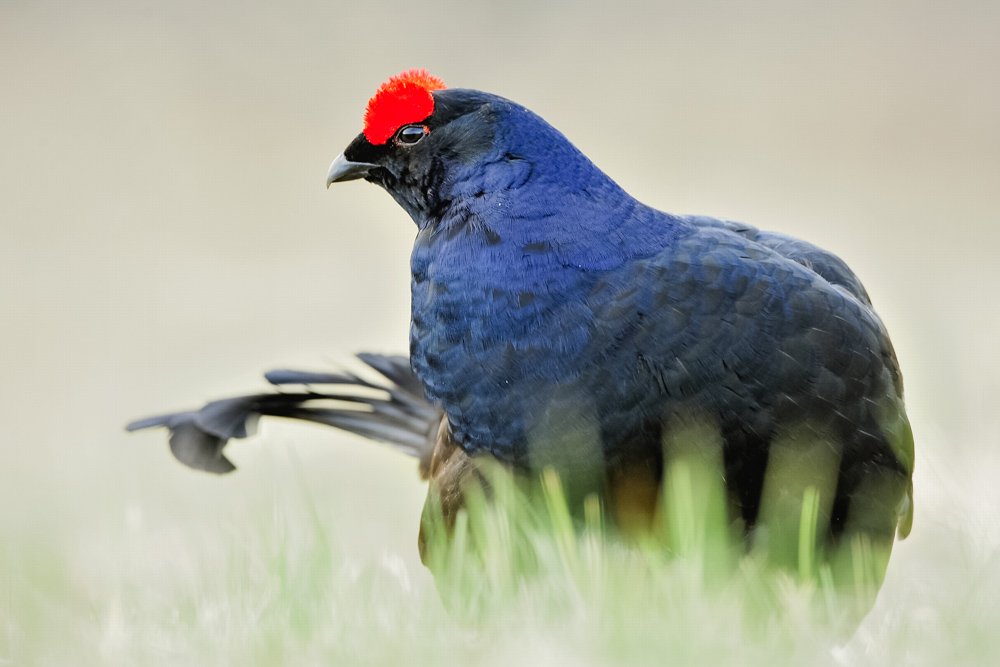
(559, 323)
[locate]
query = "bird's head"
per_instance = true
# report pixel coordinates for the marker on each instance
(431, 147)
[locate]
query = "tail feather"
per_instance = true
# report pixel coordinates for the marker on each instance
(396, 369)
(394, 411)
(285, 376)
(399, 435)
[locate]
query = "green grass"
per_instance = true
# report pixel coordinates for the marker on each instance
(536, 583)
(528, 534)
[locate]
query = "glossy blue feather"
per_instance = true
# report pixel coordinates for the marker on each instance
(539, 283)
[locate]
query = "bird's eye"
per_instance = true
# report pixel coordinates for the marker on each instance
(410, 134)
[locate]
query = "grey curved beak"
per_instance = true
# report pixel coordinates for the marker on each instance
(343, 169)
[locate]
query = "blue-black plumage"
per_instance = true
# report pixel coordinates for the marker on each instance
(556, 320)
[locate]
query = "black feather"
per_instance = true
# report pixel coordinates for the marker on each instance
(395, 412)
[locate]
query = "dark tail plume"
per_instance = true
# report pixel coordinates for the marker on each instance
(392, 410)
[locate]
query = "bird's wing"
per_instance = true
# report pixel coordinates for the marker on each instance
(833, 269)
(728, 326)
(836, 272)
(823, 262)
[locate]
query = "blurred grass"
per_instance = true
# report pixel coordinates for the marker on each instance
(275, 580)
(514, 532)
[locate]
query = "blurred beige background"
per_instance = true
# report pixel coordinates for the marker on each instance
(166, 235)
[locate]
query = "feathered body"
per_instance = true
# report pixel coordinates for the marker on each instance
(558, 321)
(546, 298)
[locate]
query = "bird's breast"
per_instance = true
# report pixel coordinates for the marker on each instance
(495, 327)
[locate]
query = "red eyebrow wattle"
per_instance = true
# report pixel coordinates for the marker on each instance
(403, 99)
